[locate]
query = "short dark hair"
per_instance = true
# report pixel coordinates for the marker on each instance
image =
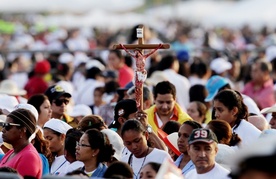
(118, 168)
(164, 87)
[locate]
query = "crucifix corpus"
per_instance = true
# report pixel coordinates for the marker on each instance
(140, 59)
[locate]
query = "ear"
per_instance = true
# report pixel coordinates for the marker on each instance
(121, 120)
(234, 111)
(96, 152)
(62, 138)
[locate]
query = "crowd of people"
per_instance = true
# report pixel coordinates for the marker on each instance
(74, 113)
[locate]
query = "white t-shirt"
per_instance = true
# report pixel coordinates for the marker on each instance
(59, 165)
(137, 164)
(247, 132)
(218, 172)
(74, 166)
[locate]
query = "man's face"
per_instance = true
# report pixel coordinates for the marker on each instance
(272, 121)
(59, 106)
(203, 155)
(164, 104)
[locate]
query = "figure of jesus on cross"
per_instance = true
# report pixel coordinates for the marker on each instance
(140, 58)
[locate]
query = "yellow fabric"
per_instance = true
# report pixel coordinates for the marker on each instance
(182, 116)
(69, 120)
(208, 116)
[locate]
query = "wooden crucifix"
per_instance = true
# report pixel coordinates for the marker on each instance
(140, 58)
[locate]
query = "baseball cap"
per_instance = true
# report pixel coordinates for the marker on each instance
(269, 109)
(42, 67)
(56, 91)
(213, 85)
(110, 74)
(202, 135)
(123, 109)
(220, 65)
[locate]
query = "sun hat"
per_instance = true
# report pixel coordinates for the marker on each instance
(9, 87)
(7, 102)
(269, 109)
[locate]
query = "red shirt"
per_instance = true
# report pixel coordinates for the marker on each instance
(126, 75)
(35, 85)
(27, 162)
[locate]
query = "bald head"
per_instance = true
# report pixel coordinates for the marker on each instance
(259, 121)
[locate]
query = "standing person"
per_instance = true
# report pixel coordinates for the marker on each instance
(166, 108)
(202, 148)
(116, 61)
(59, 100)
(135, 139)
(184, 161)
(170, 67)
(36, 84)
(54, 131)
(94, 150)
(228, 105)
(72, 136)
(197, 110)
(19, 126)
(260, 88)
(43, 107)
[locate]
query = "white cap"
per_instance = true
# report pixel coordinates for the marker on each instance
(116, 141)
(220, 65)
(80, 58)
(66, 58)
(80, 110)
(29, 107)
(94, 63)
(8, 102)
(57, 125)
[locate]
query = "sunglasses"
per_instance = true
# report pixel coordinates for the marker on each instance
(81, 145)
(59, 102)
(8, 126)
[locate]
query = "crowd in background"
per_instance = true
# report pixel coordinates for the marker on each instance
(209, 97)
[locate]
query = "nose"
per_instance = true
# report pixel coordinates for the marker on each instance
(202, 153)
(164, 105)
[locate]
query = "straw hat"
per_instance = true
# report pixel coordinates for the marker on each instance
(9, 87)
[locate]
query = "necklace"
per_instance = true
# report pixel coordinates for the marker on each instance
(137, 175)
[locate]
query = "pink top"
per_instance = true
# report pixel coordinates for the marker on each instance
(264, 97)
(126, 75)
(27, 162)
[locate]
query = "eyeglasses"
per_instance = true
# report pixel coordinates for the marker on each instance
(8, 126)
(81, 145)
(59, 102)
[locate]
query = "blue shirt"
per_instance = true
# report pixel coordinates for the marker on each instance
(189, 166)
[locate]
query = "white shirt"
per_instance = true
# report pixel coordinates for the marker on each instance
(247, 132)
(137, 164)
(74, 166)
(218, 172)
(59, 166)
